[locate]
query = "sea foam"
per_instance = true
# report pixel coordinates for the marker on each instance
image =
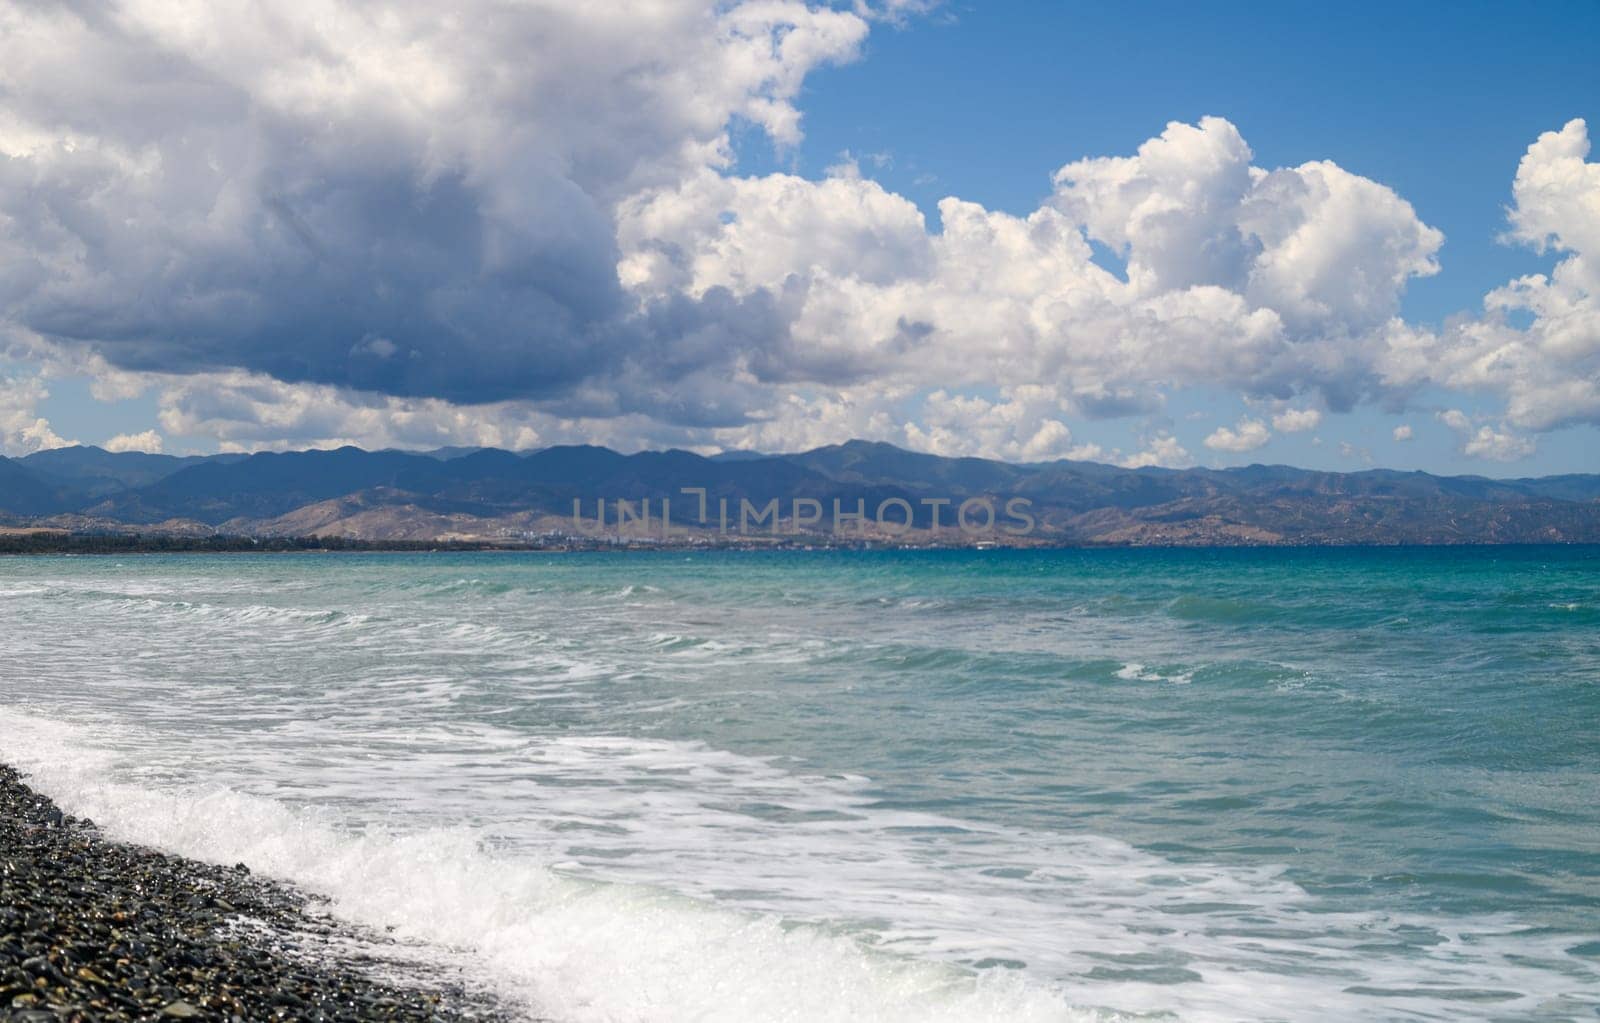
(563, 947)
(571, 942)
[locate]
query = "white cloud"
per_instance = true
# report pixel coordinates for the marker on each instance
(1349, 450)
(1091, 452)
(149, 441)
(267, 186)
(250, 412)
(22, 430)
(316, 221)
(999, 300)
(1547, 372)
(1484, 441)
(1498, 445)
(1247, 436)
(1326, 250)
(1402, 432)
(1022, 426)
(1297, 420)
(1163, 450)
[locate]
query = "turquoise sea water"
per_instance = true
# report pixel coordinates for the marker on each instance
(1222, 785)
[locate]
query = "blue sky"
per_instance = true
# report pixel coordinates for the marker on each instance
(1440, 104)
(985, 103)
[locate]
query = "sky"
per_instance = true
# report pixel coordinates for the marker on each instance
(1148, 234)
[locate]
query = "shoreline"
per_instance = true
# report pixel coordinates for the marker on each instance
(96, 929)
(17, 543)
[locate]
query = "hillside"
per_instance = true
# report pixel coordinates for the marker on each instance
(488, 494)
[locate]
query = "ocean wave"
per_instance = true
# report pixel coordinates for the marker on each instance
(23, 591)
(1135, 672)
(566, 948)
(540, 741)
(476, 586)
(670, 880)
(247, 614)
(1196, 607)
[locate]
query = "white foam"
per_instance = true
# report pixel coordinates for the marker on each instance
(1135, 672)
(607, 877)
(564, 947)
(836, 910)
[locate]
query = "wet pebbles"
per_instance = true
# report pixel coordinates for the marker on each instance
(92, 929)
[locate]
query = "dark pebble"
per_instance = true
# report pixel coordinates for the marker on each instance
(92, 929)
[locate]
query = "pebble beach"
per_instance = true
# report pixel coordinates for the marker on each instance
(93, 929)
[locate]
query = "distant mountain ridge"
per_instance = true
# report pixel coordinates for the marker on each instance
(486, 493)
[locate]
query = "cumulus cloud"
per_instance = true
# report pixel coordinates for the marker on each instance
(1247, 436)
(1297, 420)
(1249, 279)
(1497, 445)
(1351, 451)
(1402, 432)
(252, 412)
(149, 441)
(1163, 450)
(1485, 441)
(1023, 426)
(22, 430)
(316, 221)
(1547, 371)
(1275, 283)
(383, 196)
(1327, 251)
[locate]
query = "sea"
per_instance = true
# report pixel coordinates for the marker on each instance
(1313, 784)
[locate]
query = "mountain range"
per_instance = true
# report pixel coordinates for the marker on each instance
(501, 496)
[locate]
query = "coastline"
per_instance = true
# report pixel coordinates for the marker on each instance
(749, 741)
(18, 543)
(92, 928)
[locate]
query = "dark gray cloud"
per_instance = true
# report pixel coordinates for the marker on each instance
(387, 197)
(340, 220)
